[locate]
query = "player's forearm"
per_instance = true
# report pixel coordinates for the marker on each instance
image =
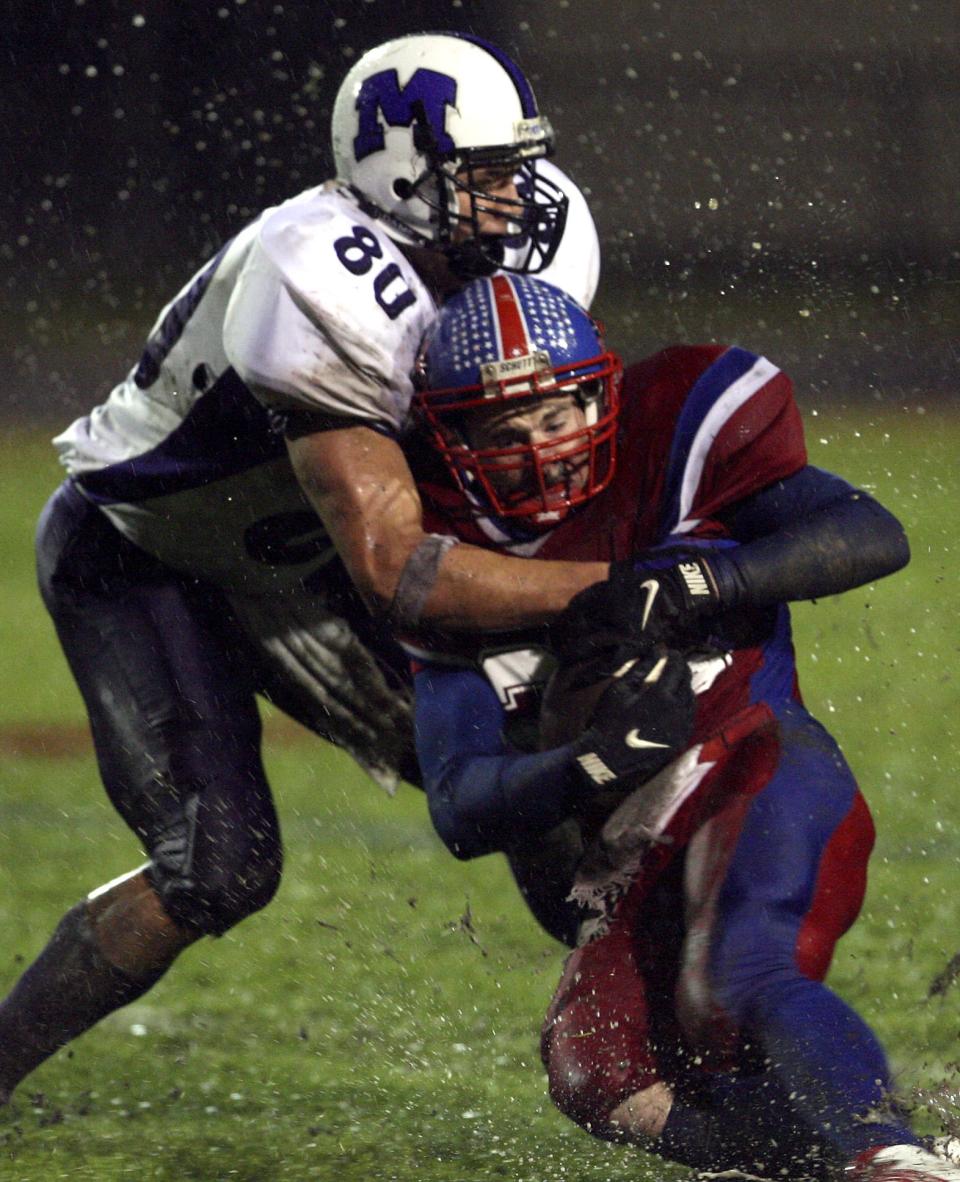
(359, 483)
(483, 796)
(837, 546)
(477, 589)
(480, 804)
(401, 575)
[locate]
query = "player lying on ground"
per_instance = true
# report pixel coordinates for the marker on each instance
(693, 1018)
(184, 562)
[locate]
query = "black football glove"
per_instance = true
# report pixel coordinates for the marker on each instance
(665, 601)
(587, 654)
(642, 721)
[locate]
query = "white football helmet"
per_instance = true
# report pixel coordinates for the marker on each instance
(413, 121)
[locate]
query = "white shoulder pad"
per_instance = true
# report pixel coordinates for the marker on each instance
(576, 266)
(327, 314)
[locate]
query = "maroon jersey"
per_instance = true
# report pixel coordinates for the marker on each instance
(701, 428)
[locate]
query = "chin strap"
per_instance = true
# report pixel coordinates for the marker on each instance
(476, 258)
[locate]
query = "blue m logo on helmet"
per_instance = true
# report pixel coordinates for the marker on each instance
(382, 94)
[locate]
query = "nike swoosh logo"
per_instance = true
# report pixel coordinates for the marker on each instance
(652, 587)
(654, 675)
(633, 739)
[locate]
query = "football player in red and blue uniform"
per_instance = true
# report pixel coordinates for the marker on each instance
(723, 840)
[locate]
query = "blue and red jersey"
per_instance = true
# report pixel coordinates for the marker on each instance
(703, 429)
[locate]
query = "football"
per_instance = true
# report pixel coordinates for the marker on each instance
(569, 699)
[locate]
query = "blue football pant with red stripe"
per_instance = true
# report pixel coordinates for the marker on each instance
(711, 974)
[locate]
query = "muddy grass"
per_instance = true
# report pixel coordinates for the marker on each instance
(69, 740)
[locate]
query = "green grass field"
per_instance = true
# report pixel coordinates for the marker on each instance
(379, 1020)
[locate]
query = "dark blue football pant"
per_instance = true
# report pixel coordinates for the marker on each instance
(170, 682)
(172, 711)
(788, 880)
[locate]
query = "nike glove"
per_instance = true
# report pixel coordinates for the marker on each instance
(661, 599)
(665, 603)
(642, 720)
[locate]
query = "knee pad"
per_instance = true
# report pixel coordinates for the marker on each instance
(210, 876)
(212, 908)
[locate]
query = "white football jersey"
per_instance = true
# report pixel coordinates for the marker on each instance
(310, 306)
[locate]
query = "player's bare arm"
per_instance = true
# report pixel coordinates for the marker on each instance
(361, 486)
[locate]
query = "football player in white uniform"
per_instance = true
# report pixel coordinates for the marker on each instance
(239, 517)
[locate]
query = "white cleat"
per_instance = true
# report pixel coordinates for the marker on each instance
(947, 1147)
(901, 1163)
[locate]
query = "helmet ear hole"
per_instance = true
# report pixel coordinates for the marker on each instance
(403, 188)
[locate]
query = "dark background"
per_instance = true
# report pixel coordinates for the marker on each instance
(780, 174)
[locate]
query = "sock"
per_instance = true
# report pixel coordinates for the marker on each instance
(67, 989)
(741, 1123)
(829, 1064)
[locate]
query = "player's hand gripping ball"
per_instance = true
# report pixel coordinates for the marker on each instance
(628, 710)
(586, 662)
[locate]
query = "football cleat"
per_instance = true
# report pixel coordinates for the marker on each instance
(946, 1147)
(901, 1163)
